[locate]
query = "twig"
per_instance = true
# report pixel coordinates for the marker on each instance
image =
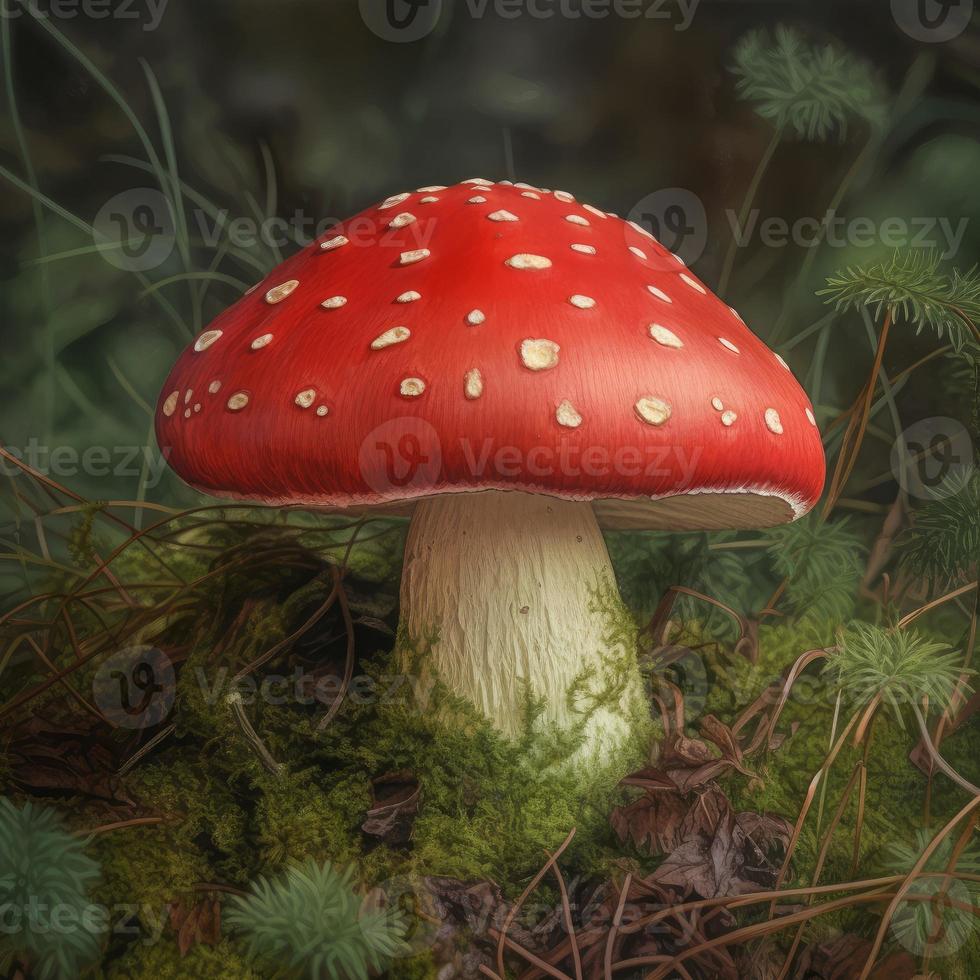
(237, 705)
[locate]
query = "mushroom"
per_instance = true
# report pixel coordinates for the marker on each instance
(514, 386)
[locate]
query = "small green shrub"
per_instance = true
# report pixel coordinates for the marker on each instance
(310, 922)
(45, 877)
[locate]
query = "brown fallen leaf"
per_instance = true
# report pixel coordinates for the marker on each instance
(396, 803)
(729, 862)
(666, 815)
(200, 923)
(66, 754)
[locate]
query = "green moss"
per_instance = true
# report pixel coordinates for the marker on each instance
(161, 961)
(296, 818)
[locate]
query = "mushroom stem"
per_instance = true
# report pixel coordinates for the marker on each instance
(509, 601)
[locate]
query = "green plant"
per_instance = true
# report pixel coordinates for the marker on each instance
(807, 90)
(311, 922)
(944, 924)
(45, 878)
(821, 565)
(811, 90)
(910, 286)
(897, 666)
(944, 540)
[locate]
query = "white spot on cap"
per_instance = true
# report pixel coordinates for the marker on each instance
(638, 252)
(728, 345)
(539, 355)
(428, 200)
(532, 195)
(262, 341)
(410, 297)
(334, 302)
(187, 414)
(736, 314)
(773, 422)
(170, 405)
(331, 243)
(679, 260)
(197, 407)
(522, 183)
(400, 220)
(577, 219)
(477, 200)
(654, 411)
(432, 189)
(502, 216)
(238, 401)
(473, 384)
(390, 202)
(717, 404)
(784, 364)
(475, 317)
(640, 229)
(482, 181)
(306, 398)
(595, 211)
(582, 302)
(810, 417)
(396, 335)
(665, 337)
(412, 387)
(278, 293)
(567, 415)
(659, 293)
(693, 283)
(727, 418)
(188, 395)
(584, 249)
(214, 387)
(206, 339)
(322, 410)
(415, 255)
(524, 260)
(564, 196)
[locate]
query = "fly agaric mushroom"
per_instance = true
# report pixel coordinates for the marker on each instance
(514, 370)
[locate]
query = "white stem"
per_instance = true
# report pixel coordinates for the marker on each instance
(520, 593)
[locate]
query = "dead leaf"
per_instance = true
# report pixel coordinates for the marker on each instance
(199, 923)
(396, 803)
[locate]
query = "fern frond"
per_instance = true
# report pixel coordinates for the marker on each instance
(912, 287)
(811, 90)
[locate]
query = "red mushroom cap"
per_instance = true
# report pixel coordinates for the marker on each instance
(493, 336)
